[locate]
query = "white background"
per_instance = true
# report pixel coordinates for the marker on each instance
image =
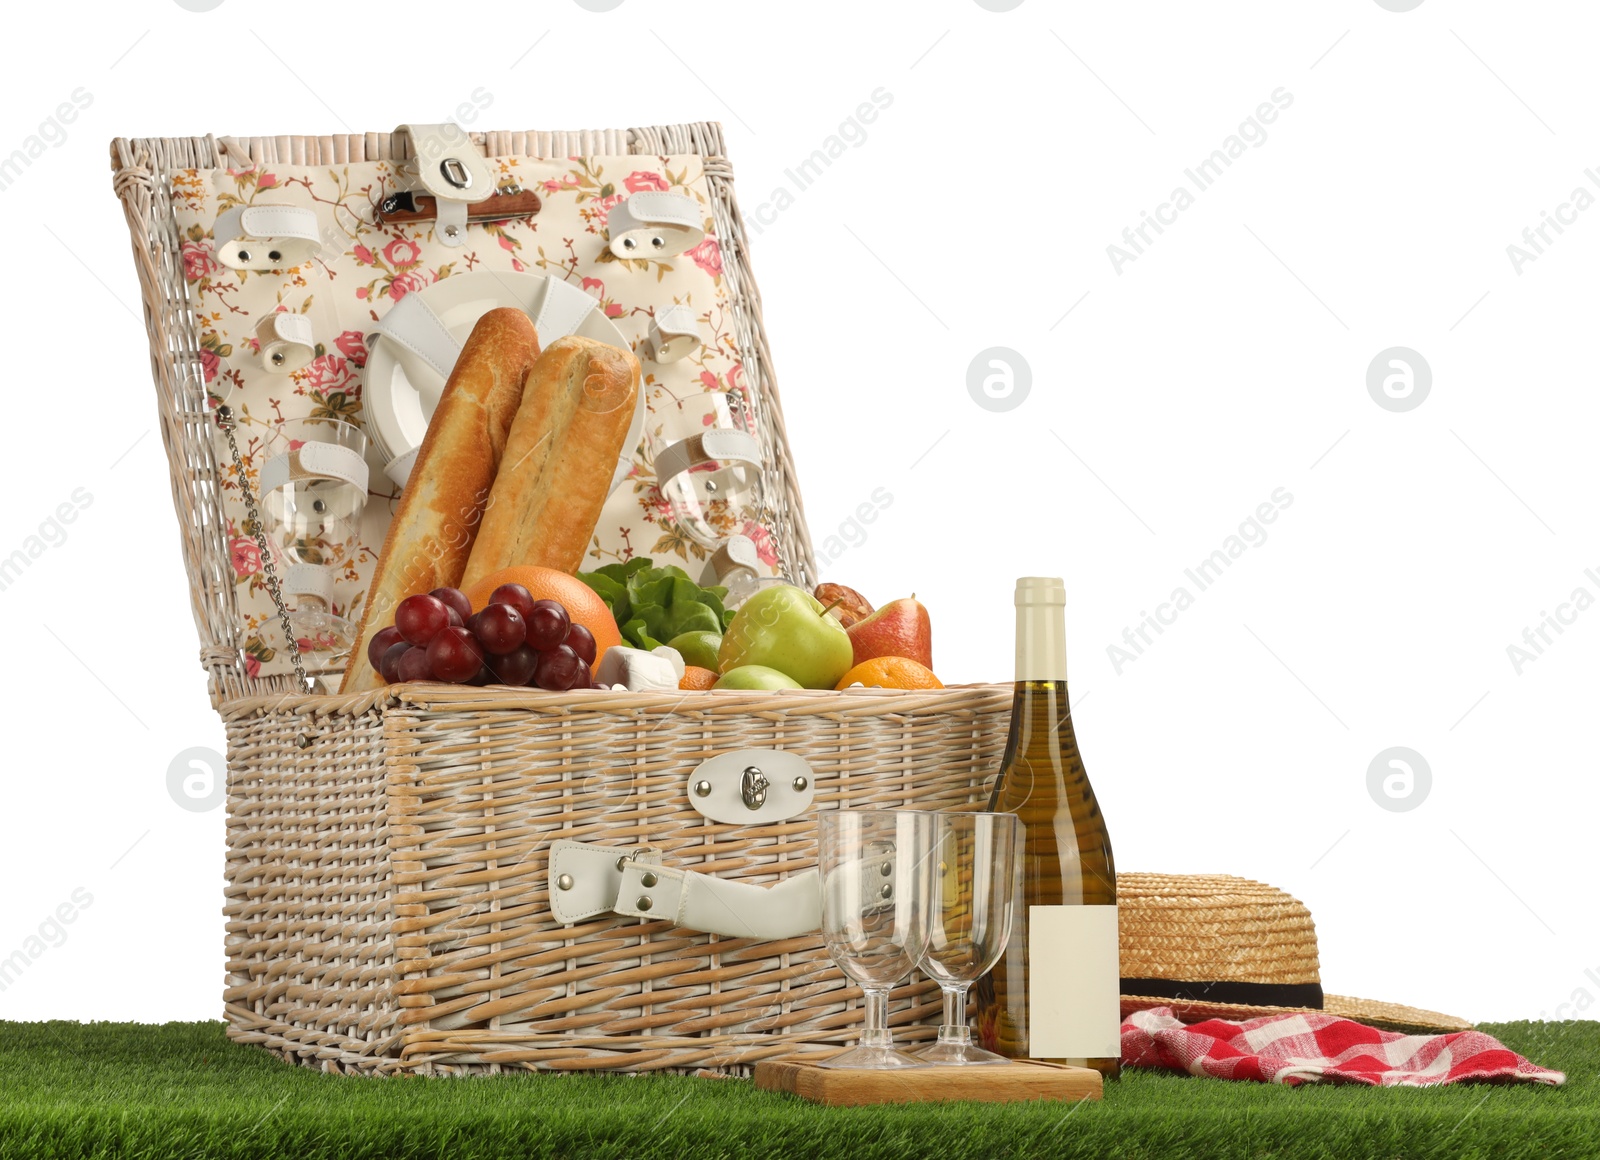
(1227, 361)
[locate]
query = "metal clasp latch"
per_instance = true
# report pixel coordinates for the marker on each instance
(455, 173)
(753, 787)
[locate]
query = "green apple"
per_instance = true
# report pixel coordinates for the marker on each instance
(755, 677)
(698, 648)
(784, 628)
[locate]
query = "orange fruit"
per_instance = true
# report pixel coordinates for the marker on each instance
(582, 603)
(891, 673)
(694, 677)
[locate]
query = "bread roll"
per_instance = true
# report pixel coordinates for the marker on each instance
(556, 472)
(442, 505)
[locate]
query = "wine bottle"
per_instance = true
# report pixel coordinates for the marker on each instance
(1054, 994)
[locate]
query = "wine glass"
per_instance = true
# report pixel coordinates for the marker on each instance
(976, 879)
(313, 491)
(709, 469)
(876, 874)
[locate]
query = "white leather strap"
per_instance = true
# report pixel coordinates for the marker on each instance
(674, 333)
(266, 237)
(738, 554)
(399, 470)
(586, 880)
(563, 310)
(655, 224)
(422, 341)
(714, 446)
(309, 580)
(314, 461)
(450, 222)
(286, 341)
(423, 345)
(445, 163)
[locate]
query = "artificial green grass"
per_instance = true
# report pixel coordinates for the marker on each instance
(183, 1090)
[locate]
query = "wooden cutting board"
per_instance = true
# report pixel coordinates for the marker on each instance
(996, 1083)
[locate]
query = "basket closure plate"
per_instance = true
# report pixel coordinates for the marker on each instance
(749, 786)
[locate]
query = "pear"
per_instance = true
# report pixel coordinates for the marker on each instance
(899, 629)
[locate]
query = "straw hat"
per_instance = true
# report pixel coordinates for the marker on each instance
(1211, 946)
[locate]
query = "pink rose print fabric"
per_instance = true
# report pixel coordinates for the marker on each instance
(364, 269)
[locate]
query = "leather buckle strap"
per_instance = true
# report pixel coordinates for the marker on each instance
(655, 224)
(266, 237)
(674, 333)
(711, 447)
(286, 341)
(586, 880)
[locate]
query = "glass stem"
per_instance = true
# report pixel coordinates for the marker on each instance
(875, 1030)
(954, 1029)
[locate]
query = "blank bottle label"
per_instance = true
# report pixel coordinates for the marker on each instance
(1074, 1009)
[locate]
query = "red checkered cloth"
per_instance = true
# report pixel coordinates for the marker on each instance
(1296, 1049)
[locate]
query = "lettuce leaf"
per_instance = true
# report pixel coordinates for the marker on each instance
(654, 604)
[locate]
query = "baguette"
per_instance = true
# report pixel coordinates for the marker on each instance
(560, 456)
(442, 505)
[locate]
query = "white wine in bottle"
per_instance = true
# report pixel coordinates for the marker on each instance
(1054, 994)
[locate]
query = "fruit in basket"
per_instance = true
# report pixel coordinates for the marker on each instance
(756, 677)
(413, 665)
(499, 628)
(420, 618)
(783, 628)
(560, 669)
(547, 624)
(454, 598)
(580, 602)
(890, 673)
(454, 655)
(848, 604)
(389, 666)
(513, 668)
(696, 678)
(382, 642)
(698, 648)
(515, 638)
(581, 641)
(513, 596)
(899, 629)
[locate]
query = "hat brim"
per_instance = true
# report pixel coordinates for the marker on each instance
(1389, 1016)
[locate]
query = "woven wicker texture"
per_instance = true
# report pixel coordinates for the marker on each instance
(387, 891)
(1213, 927)
(142, 169)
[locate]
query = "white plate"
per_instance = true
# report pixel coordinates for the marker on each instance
(400, 391)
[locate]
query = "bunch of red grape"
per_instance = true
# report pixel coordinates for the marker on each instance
(515, 640)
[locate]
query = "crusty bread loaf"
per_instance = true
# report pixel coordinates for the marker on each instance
(442, 506)
(562, 451)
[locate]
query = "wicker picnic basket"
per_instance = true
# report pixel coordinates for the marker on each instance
(388, 893)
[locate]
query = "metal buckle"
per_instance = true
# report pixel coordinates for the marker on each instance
(635, 854)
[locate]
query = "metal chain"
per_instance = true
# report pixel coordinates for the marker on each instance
(226, 421)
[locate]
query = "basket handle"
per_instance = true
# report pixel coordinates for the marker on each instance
(586, 880)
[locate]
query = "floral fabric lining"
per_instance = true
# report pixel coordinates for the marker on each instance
(365, 268)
